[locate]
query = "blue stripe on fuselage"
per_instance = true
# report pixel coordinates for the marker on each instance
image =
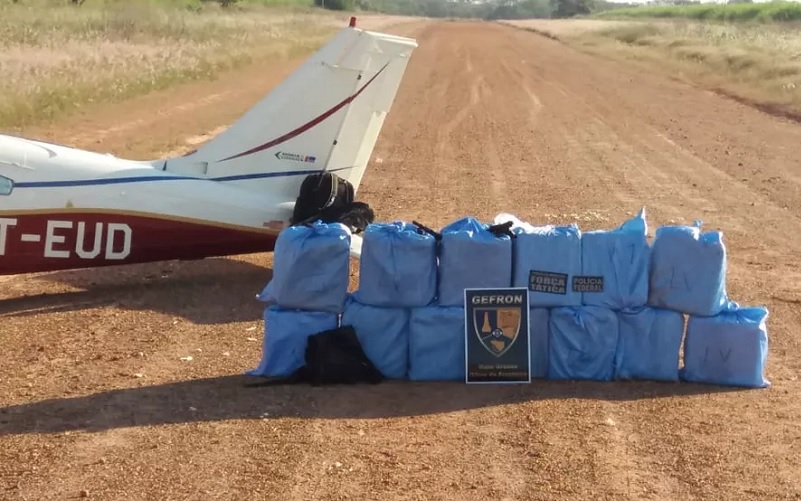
(145, 179)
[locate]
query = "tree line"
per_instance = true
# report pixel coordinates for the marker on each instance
(496, 9)
(488, 9)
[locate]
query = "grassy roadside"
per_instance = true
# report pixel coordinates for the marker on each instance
(759, 64)
(766, 12)
(55, 58)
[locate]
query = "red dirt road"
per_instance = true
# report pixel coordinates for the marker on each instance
(488, 119)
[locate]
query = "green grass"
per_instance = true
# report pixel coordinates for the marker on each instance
(759, 12)
(56, 58)
(757, 63)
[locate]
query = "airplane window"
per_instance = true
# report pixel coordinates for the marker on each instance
(6, 185)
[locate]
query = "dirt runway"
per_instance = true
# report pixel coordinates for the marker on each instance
(95, 396)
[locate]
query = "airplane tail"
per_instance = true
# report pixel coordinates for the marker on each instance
(325, 117)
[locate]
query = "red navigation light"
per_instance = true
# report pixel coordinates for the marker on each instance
(352, 22)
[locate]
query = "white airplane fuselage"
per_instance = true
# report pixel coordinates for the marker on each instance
(66, 208)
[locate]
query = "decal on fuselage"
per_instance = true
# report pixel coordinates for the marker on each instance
(68, 239)
(295, 157)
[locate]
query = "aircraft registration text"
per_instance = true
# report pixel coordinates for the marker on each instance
(68, 239)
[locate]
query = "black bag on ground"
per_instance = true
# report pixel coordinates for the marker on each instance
(336, 357)
(333, 356)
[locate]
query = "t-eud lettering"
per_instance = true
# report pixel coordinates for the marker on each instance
(70, 239)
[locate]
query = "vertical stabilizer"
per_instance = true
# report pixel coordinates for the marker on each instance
(326, 116)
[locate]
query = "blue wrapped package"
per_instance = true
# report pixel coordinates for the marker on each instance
(546, 259)
(688, 271)
(472, 257)
(383, 334)
(583, 343)
(398, 266)
(649, 344)
(436, 344)
(615, 266)
(538, 341)
(729, 349)
(311, 268)
(285, 335)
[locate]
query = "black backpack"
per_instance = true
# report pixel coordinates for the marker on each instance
(327, 197)
(333, 356)
(319, 191)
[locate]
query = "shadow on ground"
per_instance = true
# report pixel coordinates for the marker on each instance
(210, 291)
(227, 397)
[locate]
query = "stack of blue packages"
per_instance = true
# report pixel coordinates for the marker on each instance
(615, 266)
(383, 334)
(583, 343)
(729, 349)
(688, 271)
(306, 294)
(546, 259)
(472, 256)
(649, 344)
(311, 269)
(285, 335)
(398, 267)
(603, 305)
(437, 344)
